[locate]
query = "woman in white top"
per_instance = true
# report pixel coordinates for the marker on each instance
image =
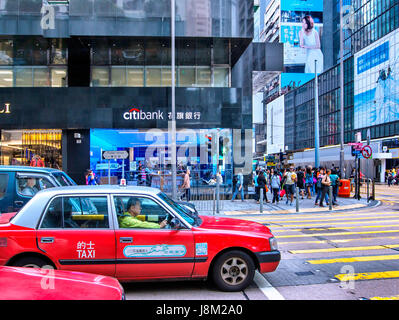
(310, 40)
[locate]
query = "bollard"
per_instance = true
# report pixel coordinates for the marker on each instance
(217, 196)
(261, 200)
(368, 190)
(372, 190)
(330, 200)
(297, 199)
(214, 201)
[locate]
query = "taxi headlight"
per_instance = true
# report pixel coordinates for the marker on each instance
(273, 244)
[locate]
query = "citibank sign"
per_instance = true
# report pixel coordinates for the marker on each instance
(137, 114)
(6, 108)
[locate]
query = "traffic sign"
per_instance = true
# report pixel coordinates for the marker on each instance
(114, 155)
(367, 152)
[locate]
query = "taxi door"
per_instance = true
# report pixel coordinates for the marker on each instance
(77, 234)
(149, 252)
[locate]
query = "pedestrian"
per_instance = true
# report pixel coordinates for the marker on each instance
(275, 186)
(186, 185)
(300, 182)
(319, 186)
(255, 180)
(335, 180)
(309, 182)
(290, 180)
(325, 182)
(36, 161)
(262, 183)
(239, 187)
(390, 178)
(90, 178)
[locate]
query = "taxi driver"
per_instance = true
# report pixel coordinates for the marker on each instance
(129, 219)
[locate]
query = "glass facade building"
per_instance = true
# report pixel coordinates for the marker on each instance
(71, 70)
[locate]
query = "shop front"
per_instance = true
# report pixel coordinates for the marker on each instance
(69, 127)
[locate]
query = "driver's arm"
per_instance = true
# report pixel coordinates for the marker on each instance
(130, 222)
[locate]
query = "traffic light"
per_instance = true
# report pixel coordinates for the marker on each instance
(221, 147)
(353, 151)
(282, 158)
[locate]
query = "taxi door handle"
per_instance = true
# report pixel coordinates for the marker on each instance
(126, 240)
(47, 240)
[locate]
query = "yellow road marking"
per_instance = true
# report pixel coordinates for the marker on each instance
(385, 298)
(368, 276)
(322, 218)
(355, 259)
(336, 223)
(345, 249)
(335, 241)
(334, 234)
(333, 228)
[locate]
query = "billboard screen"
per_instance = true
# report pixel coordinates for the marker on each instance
(275, 126)
(376, 83)
(301, 29)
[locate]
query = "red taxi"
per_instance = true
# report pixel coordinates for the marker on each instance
(49, 284)
(134, 233)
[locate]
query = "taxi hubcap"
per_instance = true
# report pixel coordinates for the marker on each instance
(234, 271)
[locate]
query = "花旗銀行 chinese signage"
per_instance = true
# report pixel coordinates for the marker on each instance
(137, 114)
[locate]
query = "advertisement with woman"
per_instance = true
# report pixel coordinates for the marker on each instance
(301, 32)
(377, 83)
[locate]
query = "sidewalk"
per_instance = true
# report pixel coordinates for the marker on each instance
(249, 206)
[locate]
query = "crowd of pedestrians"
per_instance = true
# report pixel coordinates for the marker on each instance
(282, 184)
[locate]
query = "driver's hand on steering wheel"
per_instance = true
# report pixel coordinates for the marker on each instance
(163, 223)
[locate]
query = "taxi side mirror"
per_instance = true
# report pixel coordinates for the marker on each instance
(175, 224)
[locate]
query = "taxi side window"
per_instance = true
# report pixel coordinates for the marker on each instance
(77, 212)
(30, 185)
(3, 184)
(150, 210)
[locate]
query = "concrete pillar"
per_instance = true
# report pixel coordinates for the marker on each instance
(383, 168)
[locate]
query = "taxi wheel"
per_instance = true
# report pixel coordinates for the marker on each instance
(233, 271)
(31, 262)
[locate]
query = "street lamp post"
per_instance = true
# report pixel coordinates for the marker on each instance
(316, 117)
(341, 32)
(173, 133)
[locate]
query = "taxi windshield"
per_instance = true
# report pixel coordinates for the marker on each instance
(181, 210)
(63, 179)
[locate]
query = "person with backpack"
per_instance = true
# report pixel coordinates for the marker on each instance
(239, 186)
(262, 184)
(335, 181)
(326, 183)
(275, 186)
(255, 180)
(300, 181)
(309, 182)
(319, 187)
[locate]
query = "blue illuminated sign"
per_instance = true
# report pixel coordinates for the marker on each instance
(373, 58)
(302, 5)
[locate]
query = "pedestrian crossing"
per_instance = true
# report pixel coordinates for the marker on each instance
(365, 240)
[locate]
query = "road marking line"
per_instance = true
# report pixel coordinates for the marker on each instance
(335, 240)
(344, 249)
(385, 298)
(355, 259)
(334, 234)
(367, 276)
(321, 218)
(267, 289)
(335, 223)
(334, 228)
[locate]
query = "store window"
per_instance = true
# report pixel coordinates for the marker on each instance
(186, 76)
(221, 77)
(23, 77)
(135, 77)
(6, 77)
(58, 77)
(153, 77)
(18, 147)
(6, 52)
(100, 77)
